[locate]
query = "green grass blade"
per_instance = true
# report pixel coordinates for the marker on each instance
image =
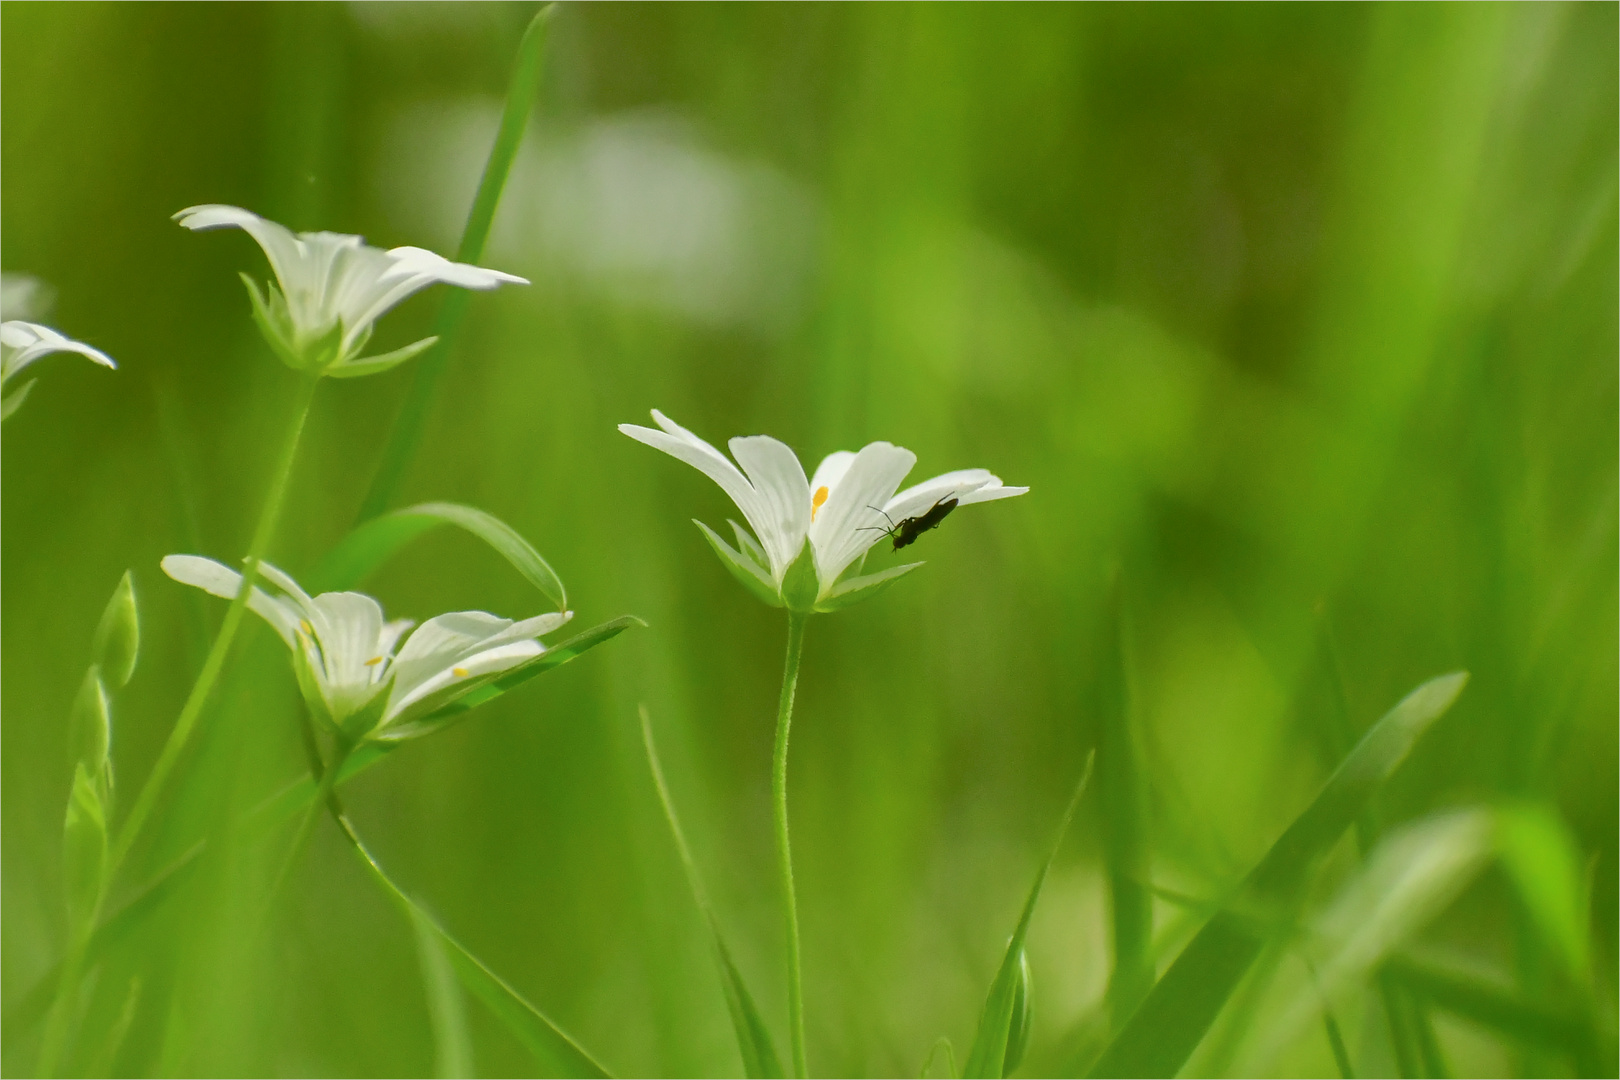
(1122, 789)
(988, 1057)
(544, 1039)
(447, 1015)
(1179, 1009)
(753, 1038)
(407, 434)
(1542, 861)
(371, 545)
(1504, 1010)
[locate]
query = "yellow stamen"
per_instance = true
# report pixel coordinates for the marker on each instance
(374, 661)
(460, 672)
(308, 629)
(816, 500)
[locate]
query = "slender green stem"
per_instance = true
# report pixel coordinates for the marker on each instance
(59, 1021)
(191, 712)
(784, 853)
(306, 826)
(520, 95)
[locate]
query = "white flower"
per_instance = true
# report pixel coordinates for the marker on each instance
(334, 287)
(21, 343)
(846, 507)
(23, 296)
(349, 669)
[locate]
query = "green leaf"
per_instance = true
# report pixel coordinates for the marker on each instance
(555, 656)
(991, 1045)
(374, 543)
(91, 725)
(376, 365)
(800, 584)
(1544, 865)
(1171, 1021)
(534, 1029)
(857, 589)
(84, 848)
(753, 577)
(1408, 879)
(1022, 1015)
(118, 635)
(753, 1038)
(269, 317)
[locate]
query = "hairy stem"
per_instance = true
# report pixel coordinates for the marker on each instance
(784, 852)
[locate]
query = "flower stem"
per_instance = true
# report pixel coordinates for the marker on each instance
(60, 1017)
(784, 853)
(306, 827)
(191, 712)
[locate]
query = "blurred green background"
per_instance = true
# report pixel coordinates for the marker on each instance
(1299, 316)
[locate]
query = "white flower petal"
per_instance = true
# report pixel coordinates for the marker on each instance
(846, 525)
(831, 470)
(784, 495)
(221, 581)
(25, 342)
(920, 498)
(991, 492)
(463, 670)
(679, 443)
(278, 242)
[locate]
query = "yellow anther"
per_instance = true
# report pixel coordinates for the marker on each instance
(308, 629)
(816, 500)
(374, 661)
(460, 672)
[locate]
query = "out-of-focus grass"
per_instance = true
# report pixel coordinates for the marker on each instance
(1279, 310)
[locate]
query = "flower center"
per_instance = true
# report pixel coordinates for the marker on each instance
(816, 500)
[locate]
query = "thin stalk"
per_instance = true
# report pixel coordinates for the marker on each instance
(59, 1020)
(191, 712)
(520, 95)
(306, 826)
(1126, 847)
(784, 852)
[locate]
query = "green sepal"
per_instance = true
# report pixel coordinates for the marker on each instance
(748, 545)
(322, 353)
(13, 401)
(118, 636)
(84, 848)
(310, 687)
(801, 583)
(91, 726)
(857, 589)
(270, 315)
(744, 569)
(364, 720)
(374, 365)
(1018, 1026)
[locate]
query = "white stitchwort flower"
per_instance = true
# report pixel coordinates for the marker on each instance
(21, 343)
(333, 289)
(352, 668)
(849, 504)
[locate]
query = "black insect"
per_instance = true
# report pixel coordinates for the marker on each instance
(909, 529)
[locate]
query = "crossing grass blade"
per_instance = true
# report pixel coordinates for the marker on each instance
(1177, 1012)
(521, 92)
(372, 544)
(753, 1038)
(447, 1016)
(543, 1038)
(988, 1057)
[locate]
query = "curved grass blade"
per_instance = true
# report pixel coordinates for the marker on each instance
(549, 1043)
(1171, 1021)
(753, 1038)
(520, 96)
(374, 543)
(988, 1058)
(447, 1016)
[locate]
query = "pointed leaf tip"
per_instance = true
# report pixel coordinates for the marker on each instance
(118, 636)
